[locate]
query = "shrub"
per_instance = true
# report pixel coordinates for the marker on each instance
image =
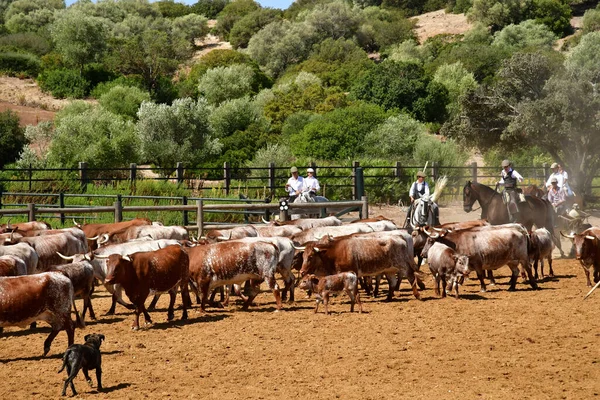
(591, 21)
(124, 101)
(12, 137)
(30, 42)
(226, 83)
(18, 64)
(126, 81)
(63, 83)
(394, 139)
(209, 8)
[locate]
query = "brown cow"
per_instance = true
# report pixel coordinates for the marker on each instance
(81, 274)
(47, 246)
(41, 297)
(587, 251)
(447, 267)
(227, 263)
(95, 230)
(541, 246)
(24, 227)
(12, 266)
(325, 285)
(158, 271)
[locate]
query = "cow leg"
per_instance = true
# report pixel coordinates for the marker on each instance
(318, 300)
(480, 276)
(436, 288)
(490, 275)
(350, 293)
(551, 272)
(152, 305)
(253, 289)
(412, 279)
(587, 275)
(364, 286)
(326, 302)
(185, 299)
(391, 278)
(50, 338)
(376, 290)
(532, 280)
(443, 280)
(204, 288)
(535, 268)
(275, 288)
(171, 311)
(357, 296)
(87, 303)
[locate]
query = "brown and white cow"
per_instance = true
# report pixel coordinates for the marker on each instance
(541, 245)
(301, 238)
(308, 223)
(23, 227)
(239, 232)
(25, 252)
(12, 266)
(146, 232)
(365, 255)
(490, 248)
(325, 285)
(93, 231)
(40, 297)
(447, 267)
(587, 251)
(47, 247)
(157, 271)
(81, 274)
(234, 262)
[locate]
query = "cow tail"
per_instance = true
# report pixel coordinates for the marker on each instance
(65, 356)
(80, 323)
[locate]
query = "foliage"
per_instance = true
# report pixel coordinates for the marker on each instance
(458, 81)
(31, 15)
(36, 151)
(383, 28)
(19, 64)
(209, 8)
(12, 137)
(394, 139)
(332, 20)
(445, 153)
(555, 14)
(96, 136)
(403, 86)
(499, 14)
(248, 25)
(234, 115)
(63, 83)
(125, 81)
(591, 21)
(232, 13)
(171, 9)
(527, 34)
(78, 38)
(226, 83)
(530, 156)
(191, 26)
(28, 41)
(176, 133)
(339, 134)
(124, 101)
(583, 62)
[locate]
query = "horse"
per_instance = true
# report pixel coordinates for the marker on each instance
(305, 197)
(534, 211)
(535, 191)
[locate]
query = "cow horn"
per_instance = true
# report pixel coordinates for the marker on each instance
(103, 239)
(299, 248)
(437, 229)
(448, 230)
(126, 257)
(316, 249)
(65, 257)
(319, 237)
(93, 238)
(101, 256)
(567, 236)
(76, 224)
(264, 220)
(426, 232)
(86, 257)
(223, 238)
(590, 292)
(590, 237)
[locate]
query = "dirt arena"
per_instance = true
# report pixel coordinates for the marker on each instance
(525, 344)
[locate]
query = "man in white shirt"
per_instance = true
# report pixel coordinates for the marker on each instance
(509, 179)
(419, 188)
(294, 184)
(311, 184)
(556, 174)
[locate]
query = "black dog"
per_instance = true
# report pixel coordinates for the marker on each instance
(83, 356)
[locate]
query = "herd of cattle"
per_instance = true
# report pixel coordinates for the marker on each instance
(42, 270)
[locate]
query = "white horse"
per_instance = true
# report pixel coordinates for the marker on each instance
(305, 197)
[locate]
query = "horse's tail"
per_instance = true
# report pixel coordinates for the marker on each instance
(440, 184)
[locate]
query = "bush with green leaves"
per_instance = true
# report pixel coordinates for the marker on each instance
(209, 8)
(444, 152)
(191, 26)
(528, 34)
(28, 42)
(124, 101)
(171, 9)
(339, 134)
(583, 62)
(381, 28)
(96, 136)
(12, 137)
(226, 83)
(394, 139)
(591, 21)
(31, 15)
(19, 64)
(125, 81)
(176, 133)
(458, 81)
(524, 157)
(248, 25)
(498, 14)
(232, 13)
(234, 115)
(554, 14)
(63, 83)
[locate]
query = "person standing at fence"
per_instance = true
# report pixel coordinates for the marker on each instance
(311, 184)
(294, 184)
(556, 174)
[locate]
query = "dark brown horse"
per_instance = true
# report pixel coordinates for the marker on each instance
(534, 211)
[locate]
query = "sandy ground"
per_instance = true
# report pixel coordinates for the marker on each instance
(437, 22)
(494, 345)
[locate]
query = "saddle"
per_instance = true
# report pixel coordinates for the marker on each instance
(512, 198)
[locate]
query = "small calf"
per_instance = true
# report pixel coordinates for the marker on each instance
(541, 246)
(447, 266)
(323, 286)
(83, 356)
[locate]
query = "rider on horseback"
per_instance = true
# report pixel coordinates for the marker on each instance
(419, 191)
(311, 184)
(294, 185)
(509, 179)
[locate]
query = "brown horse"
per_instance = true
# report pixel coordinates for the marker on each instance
(535, 191)
(534, 211)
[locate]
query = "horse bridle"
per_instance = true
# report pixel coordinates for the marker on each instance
(480, 205)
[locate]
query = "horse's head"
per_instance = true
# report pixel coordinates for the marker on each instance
(304, 198)
(469, 197)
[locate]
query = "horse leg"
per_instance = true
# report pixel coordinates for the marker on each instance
(490, 276)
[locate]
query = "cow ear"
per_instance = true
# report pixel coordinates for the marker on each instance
(86, 337)
(126, 257)
(102, 337)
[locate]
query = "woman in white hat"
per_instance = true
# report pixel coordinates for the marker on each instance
(311, 184)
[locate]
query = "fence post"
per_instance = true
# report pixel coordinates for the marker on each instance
(184, 201)
(398, 170)
(359, 184)
(272, 178)
(1, 194)
(200, 217)
(30, 176)
(179, 174)
(61, 204)
(355, 165)
(132, 172)
(118, 211)
(474, 171)
(283, 210)
(31, 211)
(226, 176)
(546, 174)
(365, 208)
(83, 173)
(434, 171)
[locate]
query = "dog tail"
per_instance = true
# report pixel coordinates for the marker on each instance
(64, 360)
(78, 317)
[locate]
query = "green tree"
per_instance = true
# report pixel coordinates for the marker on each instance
(78, 38)
(332, 20)
(209, 8)
(171, 9)
(39, 138)
(430, 148)
(394, 139)
(234, 115)
(124, 101)
(191, 26)
(12, 137)
(584, 60)
(176, 133)
(248, 25)
(458, 81)
(555, 14)
(232, 13)
(591, 21)
(226, 83)
(31, 15)
(499, 13)
(96, 136)
(527, 34)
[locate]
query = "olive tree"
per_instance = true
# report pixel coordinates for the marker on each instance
(226, 83)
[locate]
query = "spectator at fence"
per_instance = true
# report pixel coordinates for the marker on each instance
(556, 196)
(294, 184)
(311, 184)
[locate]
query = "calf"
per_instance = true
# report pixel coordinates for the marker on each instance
(42, 297)
(12, 266)
(541, 246)
(447, 267)
(325, 285)
(81, 274)
(157, 271)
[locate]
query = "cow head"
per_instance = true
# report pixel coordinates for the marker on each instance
(461, 264)
(311, 259)
(309, 282)
(116, 268)
(432, 238)
(585, 246)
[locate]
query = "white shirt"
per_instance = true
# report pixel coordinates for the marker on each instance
(311, 184)
(295, 185)
(514, 173)
(416, 187)
(559, 177)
